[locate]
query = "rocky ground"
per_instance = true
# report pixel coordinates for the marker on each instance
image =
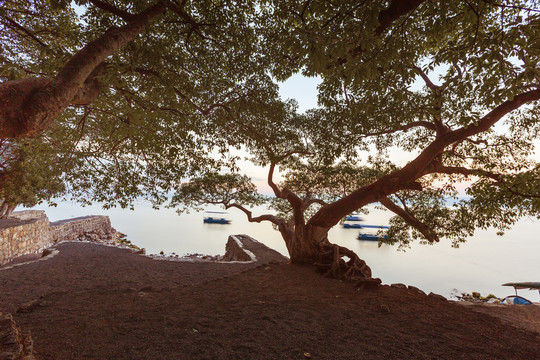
(99, 302)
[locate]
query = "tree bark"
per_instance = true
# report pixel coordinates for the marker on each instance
(302, 246)
(28, 106)
(309, 245)
(10, 210)
(6, 209)
(3, 209)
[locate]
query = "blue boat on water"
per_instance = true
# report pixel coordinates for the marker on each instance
(352, 226)
(371, 237)
(215, 217)
(353, 217)
(351, 221)
(362, 226)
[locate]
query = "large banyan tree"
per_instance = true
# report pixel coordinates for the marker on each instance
(453, 84)
(149, 92)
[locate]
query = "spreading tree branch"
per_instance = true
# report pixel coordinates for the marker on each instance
(267, 217)
(28, 32)
(27, 107)
(271, 182)
(315, 201)
(426, 79)
(425, 230)
(451, 170)
(496, 114)
(406, 177)
(415, 124)
(112, 9)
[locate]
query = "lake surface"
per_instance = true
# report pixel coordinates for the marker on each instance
(482, 264)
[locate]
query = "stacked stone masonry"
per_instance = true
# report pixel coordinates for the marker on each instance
(30, 232)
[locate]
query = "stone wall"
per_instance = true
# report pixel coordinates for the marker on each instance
(29, 214)
(24, 237)
(92, 227)
(24, 234)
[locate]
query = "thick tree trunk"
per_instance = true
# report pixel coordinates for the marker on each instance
(303, 247)
(10, 210)
(6, 209)
(304, 251)
(310, 245)
(28, 106)
(3, 209)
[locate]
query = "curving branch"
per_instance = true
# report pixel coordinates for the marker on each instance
(112, 9)
(297, 205)
(16, 25)
(426, 79)
(90, 89)
(425, 230)
(496, 114)
(187, 19)
(28, 106)
(438, 91)
(315, 201)
(271, 182)
(451, 170)
(405, 177)
(522, 194)
(267, 217)
(415, 124)
(210, 108)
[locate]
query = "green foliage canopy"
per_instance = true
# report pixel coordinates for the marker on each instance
(456, 84)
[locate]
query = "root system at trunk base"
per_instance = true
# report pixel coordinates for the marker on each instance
(332, 264)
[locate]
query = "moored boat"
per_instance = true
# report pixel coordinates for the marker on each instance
(354, 217)
(352, 226)
(215, 217)
(519, 300)
(371, 236)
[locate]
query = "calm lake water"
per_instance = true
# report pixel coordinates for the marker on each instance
(482, 264)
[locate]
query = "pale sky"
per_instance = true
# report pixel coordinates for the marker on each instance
(302, 89)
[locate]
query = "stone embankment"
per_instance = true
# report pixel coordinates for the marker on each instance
(29, 232)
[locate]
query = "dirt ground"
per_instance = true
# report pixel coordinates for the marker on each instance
(96, 302)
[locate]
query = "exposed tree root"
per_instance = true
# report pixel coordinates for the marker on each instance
(332, 264)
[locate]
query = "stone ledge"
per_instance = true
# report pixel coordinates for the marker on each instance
(29, 214)
(246, 249)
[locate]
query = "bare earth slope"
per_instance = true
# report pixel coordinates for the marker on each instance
(97, 302)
